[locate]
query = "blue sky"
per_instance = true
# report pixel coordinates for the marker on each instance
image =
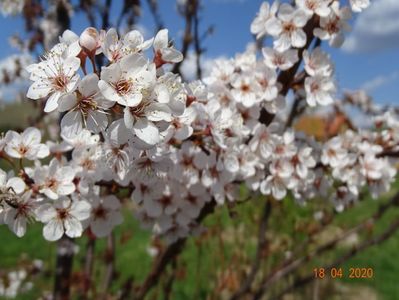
(369, 58)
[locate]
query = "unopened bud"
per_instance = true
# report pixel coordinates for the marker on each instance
(89, 39)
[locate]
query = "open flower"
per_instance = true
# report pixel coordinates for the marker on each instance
(319, 90)
(114, 48)
(261, 25)
(282, 60)
(332, 27)
(141, 119)
(18, 215)
(105, 215)
(126, 81)
(26, 145)
(55, 180)
(53, 77)
(164, 53)
(86, 108)
(288, 28)
(319, 7)
(63, 216)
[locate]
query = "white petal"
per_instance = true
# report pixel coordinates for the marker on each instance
(171, 55)
(146, 131)
(96, 121)
(161, 39)
(108, 91)
(81, 210)
(52, 102)
(73, 228)
(89, 85)
(158, 112)
(66, 189)
(17, 184)
(38, 90)
(72, 124)
(67, 102)
(53, 230)
(31, 136)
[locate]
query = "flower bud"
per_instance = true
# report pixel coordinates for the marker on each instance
(89, 39)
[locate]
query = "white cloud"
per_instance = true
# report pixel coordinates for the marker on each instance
(379, 81)
(376, 29)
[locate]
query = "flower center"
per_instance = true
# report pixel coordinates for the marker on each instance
(100, 213)
(60, 82)
(123, 87)
(52, 184)
(139, 110)
(314, 87)
(63, 213)
(332, 27)
(311, 4)
(289, 27)
(86, 103)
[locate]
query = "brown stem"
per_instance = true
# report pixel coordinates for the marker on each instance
(197, 45)
(246, 285)
(110, 263)
(167, 289)
(89, 261)
(165, 258)
(63, 268)
(188, 10)
(376, 240)
(153, 5)
(288, 267)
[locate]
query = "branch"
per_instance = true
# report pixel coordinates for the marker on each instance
(348, 255)
(155, 13)
(89, 261)
(188, 10)
(168, 256)
(197, 45)
(246, 285)
(290, 266)
(110, 262)
(63, 269)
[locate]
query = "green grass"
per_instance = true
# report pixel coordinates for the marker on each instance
(17, 115)
(202, 255)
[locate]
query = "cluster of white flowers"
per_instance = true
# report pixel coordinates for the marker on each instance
(357, 161)
(362, 101)
(11, 7)
(178, 146)
(13, 283)
(13, 68)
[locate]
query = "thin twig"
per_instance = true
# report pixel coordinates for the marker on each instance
(246, 285)
(188, 10)
(290, 266)
(63, 269)
(89, 261)
(153, 5)
(110, 262)
(392, 229)
(165, 258)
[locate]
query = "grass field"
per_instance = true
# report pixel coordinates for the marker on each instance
(198, 274)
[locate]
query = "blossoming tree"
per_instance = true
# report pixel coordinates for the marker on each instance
(130, 127)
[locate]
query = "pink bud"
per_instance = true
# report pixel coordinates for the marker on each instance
(89, 39)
